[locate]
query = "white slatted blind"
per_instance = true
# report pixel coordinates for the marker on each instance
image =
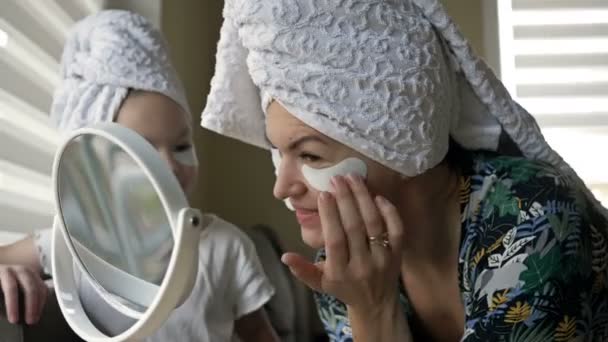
(554, 60)
(32, 35)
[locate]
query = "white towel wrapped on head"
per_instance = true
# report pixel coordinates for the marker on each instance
(105, 56)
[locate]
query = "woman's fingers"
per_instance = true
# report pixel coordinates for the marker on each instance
(356, 270)
(374, 224)
(336, 246)
(352, 222)
(307, 272)
(394, 225)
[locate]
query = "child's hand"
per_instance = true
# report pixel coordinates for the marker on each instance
(19, 284)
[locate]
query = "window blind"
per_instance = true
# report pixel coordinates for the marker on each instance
(554, 60)
(32, 35)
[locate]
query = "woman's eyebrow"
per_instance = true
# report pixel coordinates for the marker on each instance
(295, 144)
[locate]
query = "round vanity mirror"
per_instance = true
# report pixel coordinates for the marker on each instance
(125, 244)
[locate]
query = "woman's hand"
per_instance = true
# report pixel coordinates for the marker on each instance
(16, 281)
(363, 241)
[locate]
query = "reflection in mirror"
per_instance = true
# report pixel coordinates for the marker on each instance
(117, 224)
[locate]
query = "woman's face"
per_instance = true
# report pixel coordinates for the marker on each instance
(300, 145)
(165, 125)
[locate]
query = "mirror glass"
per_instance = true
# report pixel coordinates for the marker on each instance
(117, 224)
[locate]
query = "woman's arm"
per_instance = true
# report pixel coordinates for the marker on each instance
(255, 327)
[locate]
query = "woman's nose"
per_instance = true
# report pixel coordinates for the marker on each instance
(286, 184)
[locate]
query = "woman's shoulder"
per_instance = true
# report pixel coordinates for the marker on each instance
(531, 227)
(515, 189)
(506, 192)
(519, 170)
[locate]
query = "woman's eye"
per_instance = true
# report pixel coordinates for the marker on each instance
(311, 158)
(183, 148)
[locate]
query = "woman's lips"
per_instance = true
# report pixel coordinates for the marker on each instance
(307, 216)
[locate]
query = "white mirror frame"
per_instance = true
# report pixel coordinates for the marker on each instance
(186, 224)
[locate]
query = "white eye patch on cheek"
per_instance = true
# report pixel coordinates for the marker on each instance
(320, 179)
(186, 157)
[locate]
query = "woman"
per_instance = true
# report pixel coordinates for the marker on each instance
(115, 67)
(439, 210)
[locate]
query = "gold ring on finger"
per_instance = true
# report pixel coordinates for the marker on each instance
(381, 240)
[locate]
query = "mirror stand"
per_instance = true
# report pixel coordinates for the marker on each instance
(173, 291)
